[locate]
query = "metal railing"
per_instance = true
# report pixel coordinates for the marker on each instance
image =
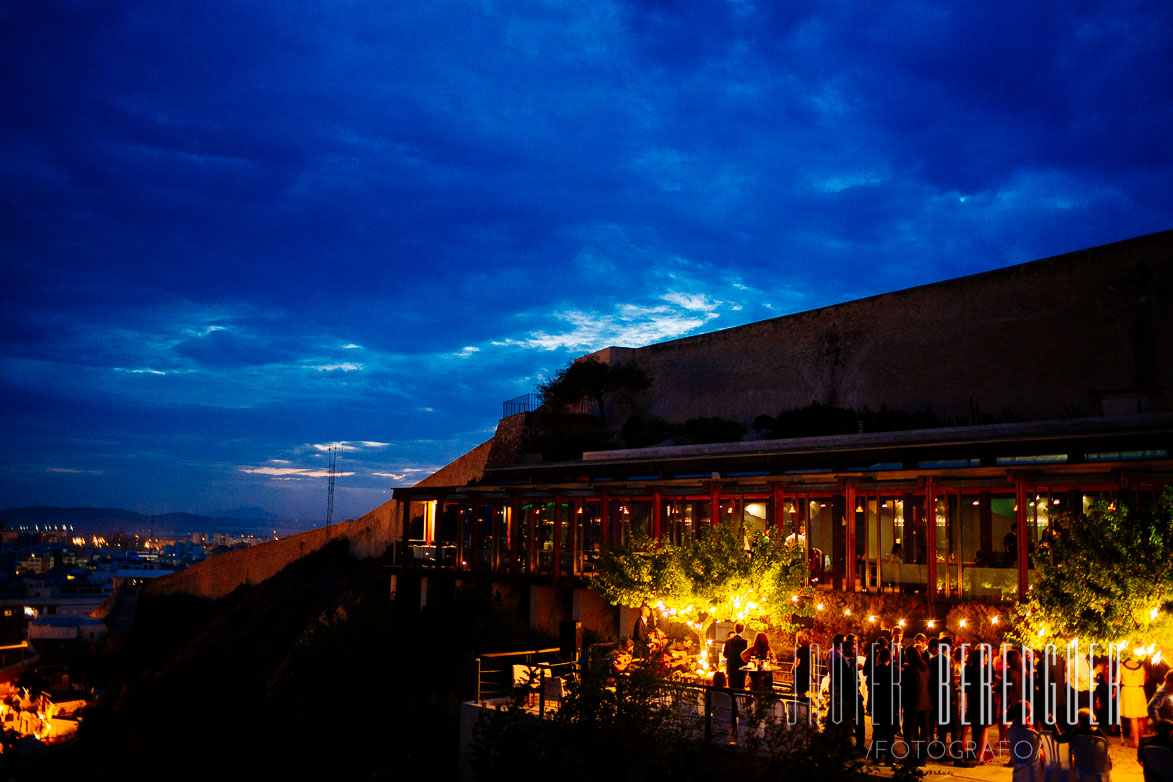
(526, 403)
(495, 671)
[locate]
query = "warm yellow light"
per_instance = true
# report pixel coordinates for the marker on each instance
(995, 620)
(1157, 657)
(847, 612)
(1073, 641)
(1123, 644)
(963, 623)
(901, 623)
(872, 618)
(794, 598)
(931, 624)
(1042, 631)
(1153, 614)
(821, 606)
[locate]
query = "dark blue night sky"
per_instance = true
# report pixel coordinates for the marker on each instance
(233, 233)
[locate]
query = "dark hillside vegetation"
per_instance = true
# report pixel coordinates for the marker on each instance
(313, 672)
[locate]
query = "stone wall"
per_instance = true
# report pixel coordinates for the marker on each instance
(215, 577)
(1082, 334)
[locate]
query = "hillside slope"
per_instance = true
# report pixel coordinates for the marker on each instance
(311, 672)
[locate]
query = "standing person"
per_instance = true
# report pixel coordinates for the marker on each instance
(853, 694)
(797, 538)
(979, 701)
(1079, 682)
(761, 654)
(1156, 671)
(641, 633)
(802, 665)
(1133, 704)
(882, 705)
(935, 675)
(732, 650)
(916, 696)
(896, 645)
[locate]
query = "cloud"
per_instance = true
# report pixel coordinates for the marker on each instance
(293, 472)
(352, 445)
(629, 325)
(195, 246)
(73, 471)
(346, 366)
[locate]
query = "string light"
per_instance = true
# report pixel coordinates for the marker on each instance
(820, 606)
(1153, 613)
(872, 618)
(931, 624)
(901, 623)
(847, 612)
(963, 623)
(995, 620)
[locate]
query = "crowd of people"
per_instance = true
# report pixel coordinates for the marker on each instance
(934, 698)
(935, 693)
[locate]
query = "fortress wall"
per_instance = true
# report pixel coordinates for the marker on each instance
(1082, 334)
(369, 536)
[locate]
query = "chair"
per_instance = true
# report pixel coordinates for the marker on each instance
(721, 711)
(796, 711)
(1058, 767)
(1025, 746)
(1089, 756)
(1158, 764)
(555, 689)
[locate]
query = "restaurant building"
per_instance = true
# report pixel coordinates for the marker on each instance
(1024, 393)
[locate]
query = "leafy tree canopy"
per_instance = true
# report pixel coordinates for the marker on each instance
(1111, 581)
(712, 577)
(591, 379)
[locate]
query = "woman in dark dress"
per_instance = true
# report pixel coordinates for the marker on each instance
(802, 666)
(882, 704)
(979, 700)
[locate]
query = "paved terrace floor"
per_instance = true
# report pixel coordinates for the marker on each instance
(1124, 766)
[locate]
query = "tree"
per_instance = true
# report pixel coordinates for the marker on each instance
(709, 578)
(591, 379)
(1111, 580)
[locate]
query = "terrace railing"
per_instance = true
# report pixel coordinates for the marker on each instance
(526, 403)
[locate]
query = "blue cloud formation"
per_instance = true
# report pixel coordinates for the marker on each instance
(231, 231)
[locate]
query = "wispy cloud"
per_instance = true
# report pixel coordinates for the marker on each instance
(293, 472)
(345, 366)
(349, 444)
(73, 471)
(630, 325)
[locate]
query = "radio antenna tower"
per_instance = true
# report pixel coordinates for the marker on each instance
(334, 451)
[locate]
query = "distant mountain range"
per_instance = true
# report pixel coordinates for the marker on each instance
(105, 520)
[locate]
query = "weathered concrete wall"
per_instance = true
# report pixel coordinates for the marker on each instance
(1086, 333)
(467, 468)
(369, 536)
